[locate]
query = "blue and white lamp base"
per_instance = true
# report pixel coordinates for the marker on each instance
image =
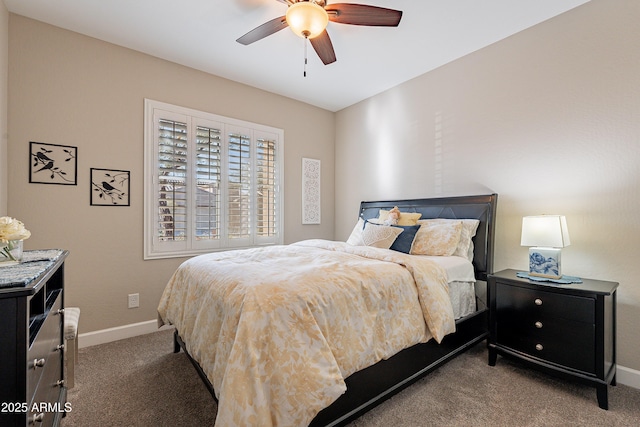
(544, 262)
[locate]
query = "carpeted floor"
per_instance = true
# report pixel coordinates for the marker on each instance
(141, 382)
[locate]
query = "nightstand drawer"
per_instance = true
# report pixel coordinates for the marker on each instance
(533, 303)
(564, 342)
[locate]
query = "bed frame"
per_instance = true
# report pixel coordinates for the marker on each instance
(371, 386)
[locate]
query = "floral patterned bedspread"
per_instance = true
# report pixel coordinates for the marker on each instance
(277, 329)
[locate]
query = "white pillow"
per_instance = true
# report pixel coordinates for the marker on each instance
(371, 234)
(355, 238)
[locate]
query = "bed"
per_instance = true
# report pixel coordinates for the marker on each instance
(319, 332)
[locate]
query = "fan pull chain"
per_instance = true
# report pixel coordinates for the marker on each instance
(306, 42)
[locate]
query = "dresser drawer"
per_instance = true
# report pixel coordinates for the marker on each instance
(47, 395)
(44, 357)
(533, 303)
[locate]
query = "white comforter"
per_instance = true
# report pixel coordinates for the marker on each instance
(277, 329)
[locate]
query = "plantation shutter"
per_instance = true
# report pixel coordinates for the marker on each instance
(238, 187)
(172, 176)
(266, 187)
(207, 183)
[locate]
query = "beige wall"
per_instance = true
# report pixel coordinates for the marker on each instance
(4, 57)
(549, 119)
(65, 88)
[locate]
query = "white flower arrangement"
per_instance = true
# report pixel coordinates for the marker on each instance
(11, 230)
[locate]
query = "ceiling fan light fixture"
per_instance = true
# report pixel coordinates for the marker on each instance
(306, 19)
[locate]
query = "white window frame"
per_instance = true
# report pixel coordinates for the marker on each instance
(153, 247)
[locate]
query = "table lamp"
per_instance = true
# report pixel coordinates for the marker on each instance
(545, 234)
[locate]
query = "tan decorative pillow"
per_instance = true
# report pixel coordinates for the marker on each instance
(376, 235)
(406, 218)
(436, 237)
(465, 245)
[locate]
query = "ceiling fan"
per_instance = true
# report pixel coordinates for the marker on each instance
(309, 19)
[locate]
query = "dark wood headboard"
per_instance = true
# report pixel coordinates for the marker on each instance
(482, 207)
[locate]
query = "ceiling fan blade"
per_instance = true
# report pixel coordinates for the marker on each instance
(362, 14)
(264, 30)
(324, 48)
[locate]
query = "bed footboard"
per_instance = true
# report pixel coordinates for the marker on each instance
(375, 384)
(177, 344)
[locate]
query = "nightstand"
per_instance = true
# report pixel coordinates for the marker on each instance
(568, 330)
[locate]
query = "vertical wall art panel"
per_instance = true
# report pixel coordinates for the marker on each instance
(311, 191)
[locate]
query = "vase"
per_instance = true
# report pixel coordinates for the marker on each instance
(10, 252)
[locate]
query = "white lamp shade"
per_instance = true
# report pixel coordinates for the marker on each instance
(307, 19)
(545, 230)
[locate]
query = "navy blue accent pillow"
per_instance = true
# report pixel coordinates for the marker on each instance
(405, 239)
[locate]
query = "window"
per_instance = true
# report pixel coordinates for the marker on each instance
(211, 182)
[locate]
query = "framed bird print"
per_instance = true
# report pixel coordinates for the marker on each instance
(110, 187)
(53, 164)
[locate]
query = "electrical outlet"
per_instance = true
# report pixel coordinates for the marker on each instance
(134, 300)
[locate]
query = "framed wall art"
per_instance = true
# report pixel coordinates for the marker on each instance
(110, 187)
(311, 207)
(53, 164)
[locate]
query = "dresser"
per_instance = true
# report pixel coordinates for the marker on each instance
(564, 329)
(32, 391)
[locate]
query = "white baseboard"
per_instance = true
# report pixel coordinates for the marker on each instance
(627, 376)
(104, 336)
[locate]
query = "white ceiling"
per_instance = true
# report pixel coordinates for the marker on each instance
(201, 34)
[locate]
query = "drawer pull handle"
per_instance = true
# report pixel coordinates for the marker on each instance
(38, 363)
(37, 418)
(538, 301)
(538, 325)
(539, 347)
